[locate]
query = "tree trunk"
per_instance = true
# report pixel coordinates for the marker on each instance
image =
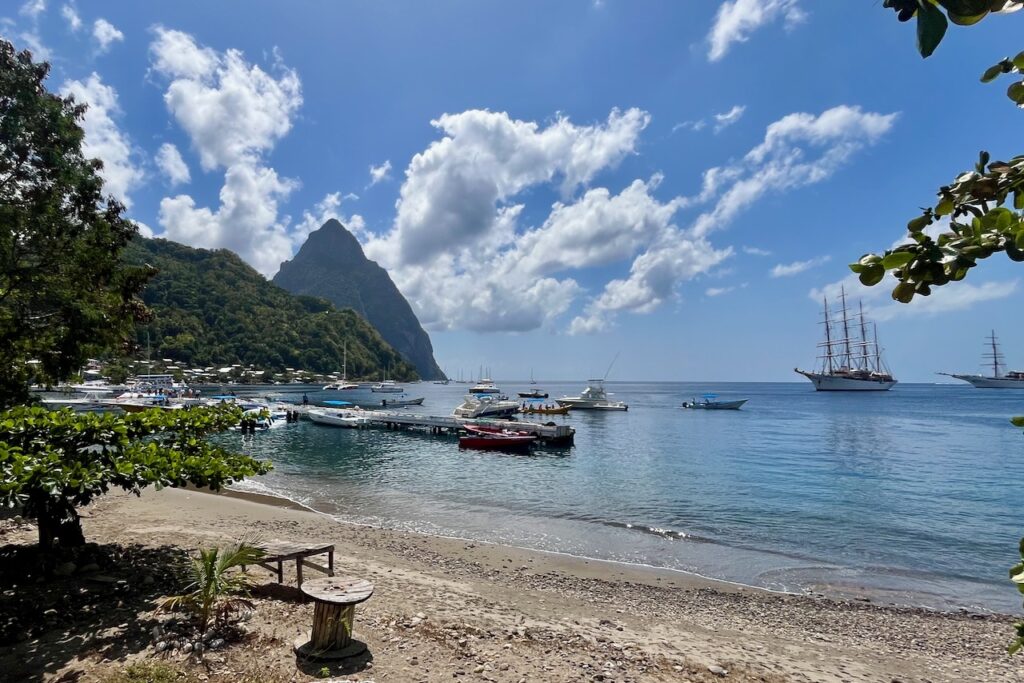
(59, 525)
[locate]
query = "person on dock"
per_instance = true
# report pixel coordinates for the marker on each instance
(305, 399)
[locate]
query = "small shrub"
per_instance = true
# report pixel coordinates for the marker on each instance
(150, 672)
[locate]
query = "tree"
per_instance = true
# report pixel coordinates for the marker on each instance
(54, 462)
(984, 206)
(64, 292)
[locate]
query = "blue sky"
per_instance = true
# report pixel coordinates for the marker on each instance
(552, 183)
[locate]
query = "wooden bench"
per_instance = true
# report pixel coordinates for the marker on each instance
(279, 552)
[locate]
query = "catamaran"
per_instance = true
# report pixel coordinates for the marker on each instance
(344, 384)
(998, 380)
(849, 361)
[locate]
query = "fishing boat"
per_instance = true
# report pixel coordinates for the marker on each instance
(495, 439)
(998, 379)
(710, 402)
(484, 386)
(545, 410)
(533, 393)
(849, 361)
(89, 401)
(594, 397)
(474, 406)
(401, 402)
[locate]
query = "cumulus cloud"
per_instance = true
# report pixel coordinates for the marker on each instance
(798, 150)
(737, 19)
(233, 112)
(797, 267)
(104, 140)
(380, 173)
(70, 15)
(327, 208)
(168, 160)
(105, 34)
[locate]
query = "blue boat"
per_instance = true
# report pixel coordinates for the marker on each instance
(709, 402)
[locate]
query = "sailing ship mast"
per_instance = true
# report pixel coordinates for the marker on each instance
(863, 339)
(995, 355)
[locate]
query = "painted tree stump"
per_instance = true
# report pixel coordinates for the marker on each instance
(334, 608)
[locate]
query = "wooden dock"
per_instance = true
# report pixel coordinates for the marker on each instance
(552, 434)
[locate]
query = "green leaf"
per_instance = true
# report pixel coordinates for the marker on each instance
(897, 259)
(1018, 61)
(1018, 422)
(931, 27)
(944, 207)
(1019, 239)
(920, 223)
(992, 73)
(903, 292)
(1016, 92)
(872, 275)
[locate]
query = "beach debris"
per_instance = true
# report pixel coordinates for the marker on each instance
(717, 670)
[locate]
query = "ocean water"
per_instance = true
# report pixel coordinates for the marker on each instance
(907, 497)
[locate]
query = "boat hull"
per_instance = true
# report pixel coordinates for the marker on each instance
(576, 404)
(992, 382)
(833, 383)
(401, 402)
(719, 405)
(333, 420)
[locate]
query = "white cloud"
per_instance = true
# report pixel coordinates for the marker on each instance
(878, 303)
(234, 112)
(246, 221)
(380, 173)
(35, 45)
(144, 229)
(103, 139)
(695, 126)
(726, 119)
(737, 19)
(797, 267)
(105, 34)
(70, 15)
(32, 9)
(756, 251)
(324, 210)
(719, 291)
(798, 150)
(168, 160)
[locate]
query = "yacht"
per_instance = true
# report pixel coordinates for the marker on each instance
(485, 386)
(851, 360)
(594, 397)
(88, 401)
(485, 405)
(998, 379)
(387, 386)
(348, 418)
(344, 384)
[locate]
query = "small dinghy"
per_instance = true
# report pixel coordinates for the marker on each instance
(710, 402)
(401, 402)
(495, 439)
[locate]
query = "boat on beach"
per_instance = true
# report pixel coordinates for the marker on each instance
(495, 439)
(594, 397)
(849, 362)
(998, 379)
(710, 402)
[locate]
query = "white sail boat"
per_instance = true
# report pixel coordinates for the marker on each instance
(344, 384)
(849, 362)
(998, 380)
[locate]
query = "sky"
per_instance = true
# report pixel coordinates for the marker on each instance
(555, 184)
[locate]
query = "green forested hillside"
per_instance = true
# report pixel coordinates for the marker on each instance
(211, 308)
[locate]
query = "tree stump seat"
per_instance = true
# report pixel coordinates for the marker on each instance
(334, 607)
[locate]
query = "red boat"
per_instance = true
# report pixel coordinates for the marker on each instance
(495, 439)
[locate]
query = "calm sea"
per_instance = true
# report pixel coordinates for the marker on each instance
(911, 496)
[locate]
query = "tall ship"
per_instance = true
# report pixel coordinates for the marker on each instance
(998, 379)
(850, 359)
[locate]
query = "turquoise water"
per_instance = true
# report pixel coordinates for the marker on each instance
(910, 496)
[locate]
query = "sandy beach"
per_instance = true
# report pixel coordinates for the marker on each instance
(446, 609)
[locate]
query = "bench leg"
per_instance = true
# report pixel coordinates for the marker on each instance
(330, 563)
(280, 571)
(298, 571)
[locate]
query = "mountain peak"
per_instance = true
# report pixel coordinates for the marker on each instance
(331, 264)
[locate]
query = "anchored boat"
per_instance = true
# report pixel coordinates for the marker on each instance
(849, 361)
(709, 402)
(495, 439)
(998, 379)
(594, 397)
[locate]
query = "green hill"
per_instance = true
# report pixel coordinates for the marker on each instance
(211, 308)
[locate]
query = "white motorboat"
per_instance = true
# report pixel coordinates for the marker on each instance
(486, 405)
(90, 401)
(485, 386)
(998, 379)
(849, 361)
(387, 386)
(594, 397)
(333, 417)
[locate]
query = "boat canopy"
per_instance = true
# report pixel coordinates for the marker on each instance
(338, 403)
(709, 395)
